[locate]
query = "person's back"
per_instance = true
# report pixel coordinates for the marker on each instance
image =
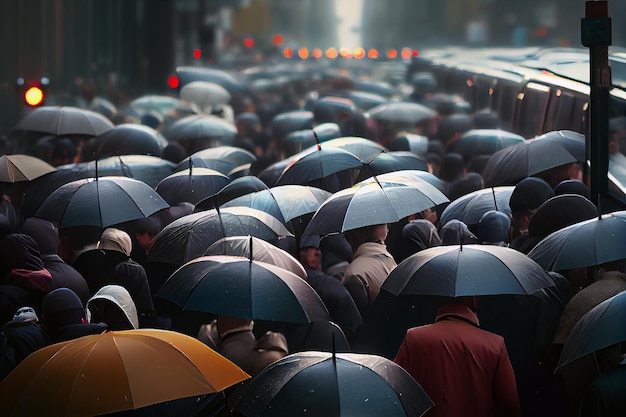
(465, 370)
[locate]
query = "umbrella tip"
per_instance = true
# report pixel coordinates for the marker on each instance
(334, 348)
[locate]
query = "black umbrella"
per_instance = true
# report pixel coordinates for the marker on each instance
(285, 123)
(484, 142)
(386, 162)
(191, 185)
(584, 244)
(229, 82)
(188, 237)
(101, 202)
(402, 114)
(236, 188)
(64, 120)
(161, 104)
(373, 202)
(201, 127)
(237, 286)
(285, 202)
(364, 149)
(146, 168)
(229, 160)
(600, 327)
(455, 271)
(258, 250)
(512, 164)
(272, 173)
(301, 139)
(315, 167)
(365, 100)
(333, 385)
(471, 207)
(130, 139)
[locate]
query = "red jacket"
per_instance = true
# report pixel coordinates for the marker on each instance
(465, 370)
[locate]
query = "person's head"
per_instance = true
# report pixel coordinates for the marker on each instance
(421, 232)
(74, 240)
(43, 233)
(174, 152)
(115, 240)
(376, 233)
(573, 187)
(248, 124)
(493, 228)
(527, 196)
(455, 232)
(145, 230)
(471, 181)
(63, 152)
(19, 251)
(452, 167)
(61, 307)
(555, 175)
(309, 253)
(113, 305)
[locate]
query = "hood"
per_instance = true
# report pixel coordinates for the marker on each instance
(120, 298)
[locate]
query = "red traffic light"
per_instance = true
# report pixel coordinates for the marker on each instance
(173, 82)
(34, 95)
(248, 43)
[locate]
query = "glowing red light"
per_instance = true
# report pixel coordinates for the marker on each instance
(415, 52)
(173, 82)
(197, 54)
(248, 43)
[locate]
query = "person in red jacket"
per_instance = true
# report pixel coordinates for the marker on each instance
(465, 370)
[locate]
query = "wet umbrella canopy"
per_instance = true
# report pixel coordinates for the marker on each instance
(114, 371)
(471, 207)
(191, 185)
(455, 271)
(236, 188)
(130, 139)
(285, 123)
(584, 244)
(510, 165)
(101, 202)
(325, 384)
(65, 120)
(205, 94)
(189, 237)
(484, 142)
(240, 287)
(229, 160)
(402, 114)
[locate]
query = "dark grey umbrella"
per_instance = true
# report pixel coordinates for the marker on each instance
(65, 120)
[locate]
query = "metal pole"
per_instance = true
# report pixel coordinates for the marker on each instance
(596, 35)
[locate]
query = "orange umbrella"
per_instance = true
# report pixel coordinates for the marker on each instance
(114, 371)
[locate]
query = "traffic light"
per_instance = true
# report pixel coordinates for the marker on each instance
(32, 93)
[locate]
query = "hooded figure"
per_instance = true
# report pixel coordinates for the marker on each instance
(24, 280)
(113, 305)
(64, 317)
(110, 263)
(417, 235)
(455, 232)
(493, 228)
(63, 275)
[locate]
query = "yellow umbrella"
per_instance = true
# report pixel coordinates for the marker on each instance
(114, 371)
(18, 167)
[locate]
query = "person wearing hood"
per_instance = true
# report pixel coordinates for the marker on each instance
(63, 275)
(64, 317)
(19, 338)
(493, 228)
(417, 235)
(23, 279)
(110, 263)
(455, 232)
(113, 305)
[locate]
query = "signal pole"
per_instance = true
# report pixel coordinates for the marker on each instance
(596, 35)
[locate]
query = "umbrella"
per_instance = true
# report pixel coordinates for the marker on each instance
(327, 384)
(375, 202)
(583, 244)
(484, 142)
(229, 160)
(510, 165)
(188, 75)
(18, 168)
(316, 164)
(381, 88)
(101, 202)
(470, 207)
(386, 162)
(200, 126)
(205, 94)
(291, 121)
(272, 173)
(401, 114)
(103, 106)
(64, 120)
(147, 168)
(364, 149)
(418, 144)
(285, 202)
(189, 237)
(114, 371)
(257, 250)
(467, 270)
(162, 104)
(130, 139)
(600, 327)
(301, 139)
(364, 100)
(237, 286)
(409, 176)
(236, 188)
(191, 185)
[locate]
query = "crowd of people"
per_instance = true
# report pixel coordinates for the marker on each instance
(482, 356)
